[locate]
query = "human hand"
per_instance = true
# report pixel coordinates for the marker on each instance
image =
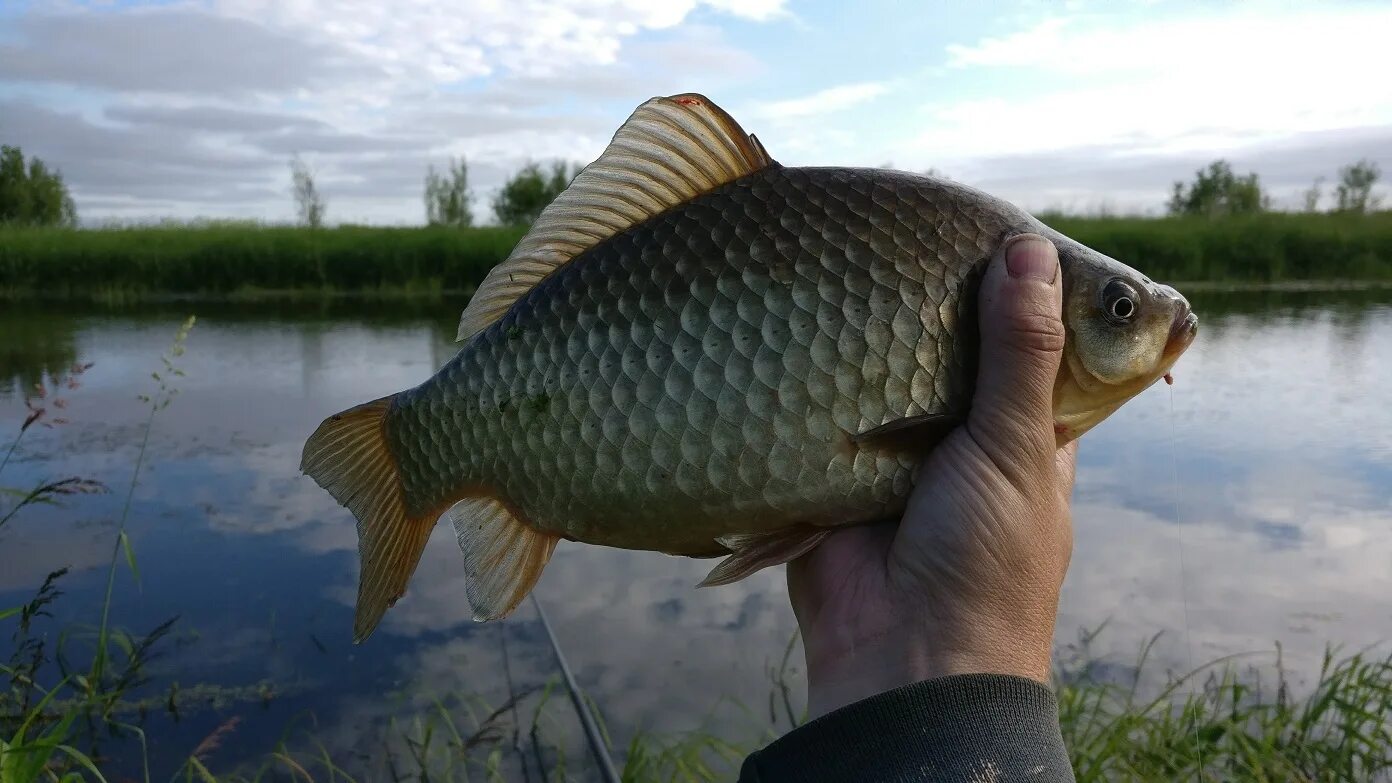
(968, 581)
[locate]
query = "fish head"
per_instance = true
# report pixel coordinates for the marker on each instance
(1124, 332)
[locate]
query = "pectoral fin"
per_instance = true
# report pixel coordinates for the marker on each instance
(912, 434)
(752, 552)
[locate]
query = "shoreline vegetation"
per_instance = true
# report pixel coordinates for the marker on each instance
(1280, 251)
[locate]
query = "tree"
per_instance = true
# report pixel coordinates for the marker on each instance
(31, 194)
(1356, 181)
(447, 196)
(529, 191)
(308, 203)
(1218, 191)
(1314, 194)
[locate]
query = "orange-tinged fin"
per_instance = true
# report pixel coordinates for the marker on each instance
(752, 552)
(911, 435)
(503, 555)
(349, 457)
(669, 151)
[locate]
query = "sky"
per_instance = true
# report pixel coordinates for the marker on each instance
(194, 108)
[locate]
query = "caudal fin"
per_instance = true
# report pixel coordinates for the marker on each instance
(349, 457)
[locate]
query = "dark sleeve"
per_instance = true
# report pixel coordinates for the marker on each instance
(960, 728)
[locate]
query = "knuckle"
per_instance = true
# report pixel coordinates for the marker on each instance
(1014, 446)
(1038, 333)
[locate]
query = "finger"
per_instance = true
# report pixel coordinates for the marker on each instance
(1022, 339)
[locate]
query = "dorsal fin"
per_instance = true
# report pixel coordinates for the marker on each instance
(669, 151)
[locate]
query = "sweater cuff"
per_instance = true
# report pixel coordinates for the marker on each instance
(961, 727)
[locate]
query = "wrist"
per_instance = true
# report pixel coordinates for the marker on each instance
(844, 671)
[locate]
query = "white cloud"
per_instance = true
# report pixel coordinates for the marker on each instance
(832, 99)
(203, 100)
(444, 42)
(368, 93)
(1212, 83)
(757, 10)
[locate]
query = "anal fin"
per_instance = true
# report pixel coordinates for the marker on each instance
(752, 552)
(503, 555)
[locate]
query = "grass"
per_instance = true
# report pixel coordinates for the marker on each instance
(1272, 247)
(1226, 722)
(1235, 719)
(41, 726)
(226, 260)
(249, 260)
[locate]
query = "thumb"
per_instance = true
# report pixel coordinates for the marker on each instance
(1022, 338)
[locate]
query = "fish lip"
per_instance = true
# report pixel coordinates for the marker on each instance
(1182, 331)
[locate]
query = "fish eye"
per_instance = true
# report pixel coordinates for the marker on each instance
(1119, 302)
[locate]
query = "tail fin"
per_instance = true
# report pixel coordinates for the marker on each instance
(348, 456)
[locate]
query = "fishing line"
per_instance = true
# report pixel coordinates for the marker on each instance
(582, 708)
(512, 699)
(1183, 576)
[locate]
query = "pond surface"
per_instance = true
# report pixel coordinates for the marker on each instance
(1249, 504)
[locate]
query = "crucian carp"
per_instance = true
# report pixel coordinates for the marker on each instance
(698, 351)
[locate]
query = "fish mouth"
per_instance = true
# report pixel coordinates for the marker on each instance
(1182, 331)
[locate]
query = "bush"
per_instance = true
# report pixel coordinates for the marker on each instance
(32, 195)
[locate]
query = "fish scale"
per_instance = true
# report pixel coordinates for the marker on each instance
(663, 390)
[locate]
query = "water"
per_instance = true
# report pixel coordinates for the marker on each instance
(1281, 427)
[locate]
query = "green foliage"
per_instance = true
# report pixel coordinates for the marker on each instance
(1217, 191)
(309, 205)
(1269, 247)
(1354, 193)
(1217, 723)
(221, 260)
(32, 195)
(447, 196)
(227, 260)
(529, 191)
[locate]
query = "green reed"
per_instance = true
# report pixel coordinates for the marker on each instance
(229, 260)
(1270, 247)
(249, 260)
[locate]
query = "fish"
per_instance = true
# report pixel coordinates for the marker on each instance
(698, 351)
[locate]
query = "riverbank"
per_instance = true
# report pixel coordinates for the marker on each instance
(248, 261)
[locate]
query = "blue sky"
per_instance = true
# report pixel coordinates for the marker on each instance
(190, 108)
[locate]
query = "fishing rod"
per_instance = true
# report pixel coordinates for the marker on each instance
(582, 708)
